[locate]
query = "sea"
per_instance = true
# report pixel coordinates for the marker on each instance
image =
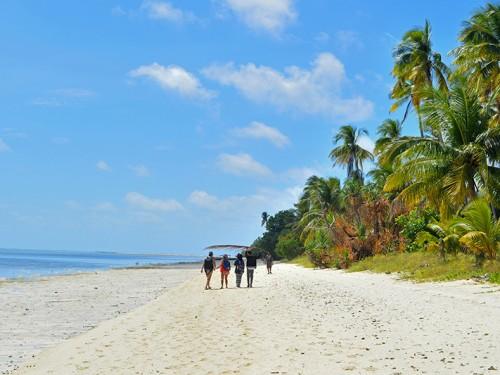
(16, 263)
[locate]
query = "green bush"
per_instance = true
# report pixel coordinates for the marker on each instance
(289, 245)
(412, 224)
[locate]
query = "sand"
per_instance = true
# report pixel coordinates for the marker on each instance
(40, 313)
(296, 321)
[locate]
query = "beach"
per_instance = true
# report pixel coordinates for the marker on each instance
(295, 321)
(42, 312)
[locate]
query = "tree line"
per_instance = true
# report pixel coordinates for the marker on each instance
(438, 190)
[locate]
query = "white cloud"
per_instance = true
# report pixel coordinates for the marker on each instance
(348, 39)
(103, 166)
(250, 205)
(4, 147)
(242, 165)
(140, 170)
(152, 204)
(259, 130)
(268, 15)
(314, 91)
(366, 142)
(162, 10)
(174, 78)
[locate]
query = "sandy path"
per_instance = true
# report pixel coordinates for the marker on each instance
(43, 312)
(296, 321)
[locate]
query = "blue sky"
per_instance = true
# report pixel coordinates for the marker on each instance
(167, 126)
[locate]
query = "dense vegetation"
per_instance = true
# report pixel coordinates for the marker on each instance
(435, 192)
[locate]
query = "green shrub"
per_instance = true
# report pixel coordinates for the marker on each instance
(289, 245)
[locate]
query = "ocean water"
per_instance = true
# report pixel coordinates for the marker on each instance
(15, 263)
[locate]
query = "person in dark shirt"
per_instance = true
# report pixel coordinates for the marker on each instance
(269, 263)
(251, 266)
(208, 266)
(239, 269)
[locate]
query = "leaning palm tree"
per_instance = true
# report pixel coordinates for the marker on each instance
(479, 231)
(349, 153)
(479, 54)
(416, 67)
(450, 170)
(388, 131)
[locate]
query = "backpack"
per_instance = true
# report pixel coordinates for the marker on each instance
(208, 264)
(239, 265)
(226, 264)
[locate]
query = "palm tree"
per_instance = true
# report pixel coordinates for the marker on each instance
(416, 67)
(442, 239)
(388, 131)
(478, 56)
(320, 202)
(479, 231)
(448, 171)
(350, 153)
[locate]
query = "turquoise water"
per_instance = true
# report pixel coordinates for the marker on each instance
(31, 263)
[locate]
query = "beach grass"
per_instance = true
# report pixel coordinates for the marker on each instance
(302, 260)
(425, 266)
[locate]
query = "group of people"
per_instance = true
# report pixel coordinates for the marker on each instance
(210, 265)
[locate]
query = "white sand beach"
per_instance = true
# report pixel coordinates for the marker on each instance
(42, 312)
(296, 321)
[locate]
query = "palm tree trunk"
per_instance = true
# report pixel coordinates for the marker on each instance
(420, 125)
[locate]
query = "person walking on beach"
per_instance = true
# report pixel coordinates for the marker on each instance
(225, 268)
(269, 263)
(209, 266)
(239, 269)
(251, 266)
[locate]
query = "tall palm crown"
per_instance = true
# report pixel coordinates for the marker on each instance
(449, 170)
(479, 55)
(349, 153)
(416, 67)
(388, 131)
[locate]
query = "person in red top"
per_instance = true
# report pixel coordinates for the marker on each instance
(225, 268)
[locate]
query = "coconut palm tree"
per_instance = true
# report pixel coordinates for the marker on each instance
(320, 202)
(388, 131)
(349, 153)
(478, 56)
(449, 171)
(416, 67)
(479, 231)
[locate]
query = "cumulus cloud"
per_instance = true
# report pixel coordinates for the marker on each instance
(145, 203)
(162, 10)
(267, 15)
(242, 165)
(4, 147)
(103, 166)
(174, 78)
(314, 91)
(259, 130)
(140, 170)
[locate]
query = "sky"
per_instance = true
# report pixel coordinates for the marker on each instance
(168, 126)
